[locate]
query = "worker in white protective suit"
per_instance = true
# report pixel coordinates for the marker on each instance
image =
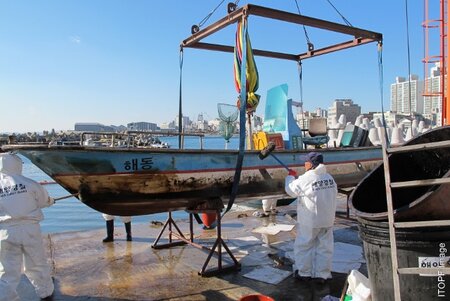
(110, 227)
(316, 193)
(21, 200)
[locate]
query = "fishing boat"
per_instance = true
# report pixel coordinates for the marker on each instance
(414, 203)
(137, 181)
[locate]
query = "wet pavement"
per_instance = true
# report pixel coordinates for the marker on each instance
(84, 268)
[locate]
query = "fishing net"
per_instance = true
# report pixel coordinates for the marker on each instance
(227, 113)
(226, 130)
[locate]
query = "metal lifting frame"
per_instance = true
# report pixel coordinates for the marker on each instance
(416, 224)
(360, 36)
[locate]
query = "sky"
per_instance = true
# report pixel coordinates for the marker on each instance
(117, 61)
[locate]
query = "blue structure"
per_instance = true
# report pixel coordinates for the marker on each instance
(278, 117)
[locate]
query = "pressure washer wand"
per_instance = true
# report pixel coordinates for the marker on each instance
(66, 197)
(268, 151)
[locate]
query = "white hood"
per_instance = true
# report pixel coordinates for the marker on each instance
(320, 169)
(22, 198)
(10, 164)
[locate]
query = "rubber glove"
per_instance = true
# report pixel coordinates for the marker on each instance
(292, 173)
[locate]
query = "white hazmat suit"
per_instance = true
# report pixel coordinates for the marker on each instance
(6, 292)
(124, 219)
(21, 200)
(316, 191)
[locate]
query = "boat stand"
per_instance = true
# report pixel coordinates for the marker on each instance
(182, 240)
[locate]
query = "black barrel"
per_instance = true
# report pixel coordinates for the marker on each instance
(432, 243)
(412, 203)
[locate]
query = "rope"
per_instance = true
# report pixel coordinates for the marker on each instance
(180, 102)
(343, 18)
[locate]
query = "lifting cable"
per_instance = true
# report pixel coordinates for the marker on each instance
(381, 83)
(180, 102)
(308, 42)
(300, 79)
(409, 59)
(180, 117)
(300, 69)
(196, 28)
(343, 18)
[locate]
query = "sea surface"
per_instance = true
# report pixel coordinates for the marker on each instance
(72, 215)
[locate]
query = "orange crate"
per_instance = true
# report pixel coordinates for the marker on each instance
(276, 138)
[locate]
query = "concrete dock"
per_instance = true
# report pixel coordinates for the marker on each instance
(84, 268)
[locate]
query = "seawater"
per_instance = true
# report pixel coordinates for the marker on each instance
(72, 215)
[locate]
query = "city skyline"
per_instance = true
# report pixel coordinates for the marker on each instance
(75, 61)
(192, 122)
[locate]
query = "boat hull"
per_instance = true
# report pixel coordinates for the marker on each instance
(143, 181)
(413, 203)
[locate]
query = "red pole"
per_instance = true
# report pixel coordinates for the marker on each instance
(445, 84)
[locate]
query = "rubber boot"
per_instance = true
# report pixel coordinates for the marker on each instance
(109, 231)
(128, 230)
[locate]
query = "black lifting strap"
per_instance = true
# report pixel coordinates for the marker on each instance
(242, 119)
(237, 174)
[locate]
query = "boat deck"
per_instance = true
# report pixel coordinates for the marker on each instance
(84, 268)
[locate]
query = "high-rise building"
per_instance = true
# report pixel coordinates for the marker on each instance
(432, 106)
(405, 100)
(346, 107)
(201, 123)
